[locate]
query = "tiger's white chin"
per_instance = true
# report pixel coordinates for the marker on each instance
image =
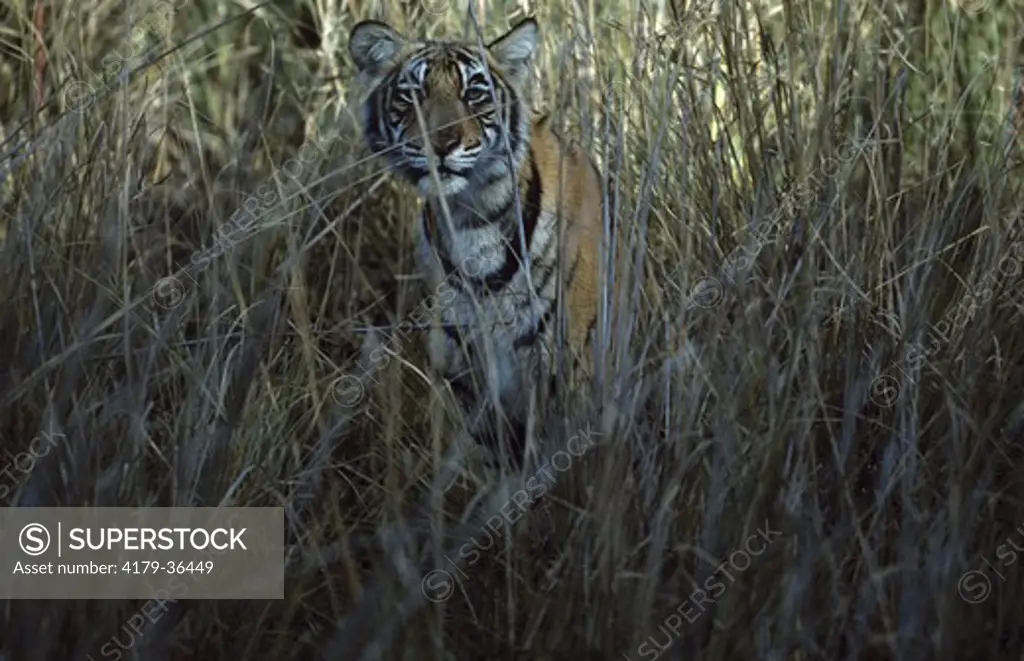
(450, 185)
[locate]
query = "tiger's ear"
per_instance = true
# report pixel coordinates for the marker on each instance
(374, 46)
(514, 49)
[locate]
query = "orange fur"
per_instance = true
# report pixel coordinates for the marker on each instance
(569, 171)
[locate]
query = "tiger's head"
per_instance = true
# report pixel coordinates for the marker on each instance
(447, 100)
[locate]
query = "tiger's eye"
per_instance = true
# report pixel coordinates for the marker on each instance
(474, 96)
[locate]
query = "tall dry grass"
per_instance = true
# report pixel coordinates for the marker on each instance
(847, 388)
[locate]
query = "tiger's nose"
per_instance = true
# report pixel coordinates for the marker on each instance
(445, 142)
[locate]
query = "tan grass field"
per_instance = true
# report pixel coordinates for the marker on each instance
(807, 422)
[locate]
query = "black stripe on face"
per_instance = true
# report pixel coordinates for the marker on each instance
(512, 99)
(498, 280)
(469, 61)
(373, 124)
(379, 131)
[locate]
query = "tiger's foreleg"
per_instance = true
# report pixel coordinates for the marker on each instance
(449, 360)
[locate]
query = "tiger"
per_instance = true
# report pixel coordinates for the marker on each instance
(451, 120)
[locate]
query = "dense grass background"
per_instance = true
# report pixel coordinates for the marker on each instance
(857, 389)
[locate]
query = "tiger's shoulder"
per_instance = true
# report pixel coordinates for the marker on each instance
(567, 173)
(571, 200)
